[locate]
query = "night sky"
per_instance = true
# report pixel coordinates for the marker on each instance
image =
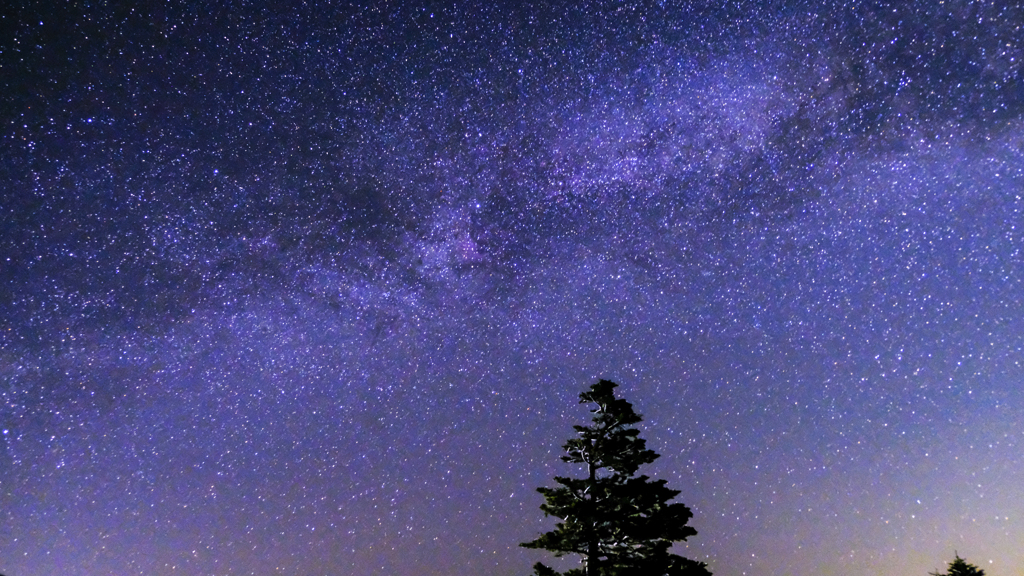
(311, 289)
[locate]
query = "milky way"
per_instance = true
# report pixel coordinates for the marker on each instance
(297, 289)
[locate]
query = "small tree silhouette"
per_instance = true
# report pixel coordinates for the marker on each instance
(960, 567)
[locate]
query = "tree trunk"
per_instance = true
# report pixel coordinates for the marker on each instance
(592, 537)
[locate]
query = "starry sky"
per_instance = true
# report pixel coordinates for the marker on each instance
(311, 288)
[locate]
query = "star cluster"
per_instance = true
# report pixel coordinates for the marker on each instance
(311, 288)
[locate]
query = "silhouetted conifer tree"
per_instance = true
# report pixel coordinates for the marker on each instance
(960, 567)
(619, 523)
